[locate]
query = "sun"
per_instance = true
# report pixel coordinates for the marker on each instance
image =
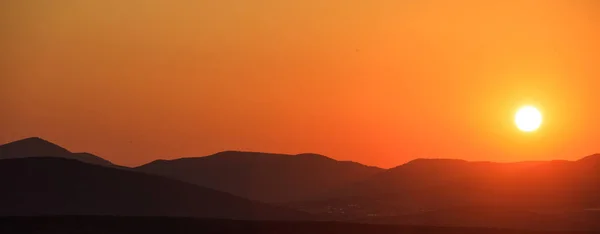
(528, 119)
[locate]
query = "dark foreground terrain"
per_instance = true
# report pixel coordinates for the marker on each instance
(150, 225)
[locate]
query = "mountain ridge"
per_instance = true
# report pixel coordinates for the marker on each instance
(264, 177)
(38, 147)
(60, 186)
(556, 186)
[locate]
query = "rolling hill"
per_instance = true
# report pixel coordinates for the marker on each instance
(57, 186)
(262, 176)
(435, 191)
(436, 183)
(37, 147)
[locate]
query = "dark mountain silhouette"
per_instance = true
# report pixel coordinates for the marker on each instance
(592, 161)
(37, 147)
(430, 186)
(57, 186)
(433, 184)
(543, 195)
(262, 176)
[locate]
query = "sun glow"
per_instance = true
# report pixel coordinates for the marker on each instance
(528, 119)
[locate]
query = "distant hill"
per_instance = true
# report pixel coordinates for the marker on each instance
(430, 186)
(554, 195)
(37, 147)
(262, 176)
(434, 184)
(57, 186)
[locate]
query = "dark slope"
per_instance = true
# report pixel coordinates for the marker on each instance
(91, 159)
(264, 177)
(37, 147)
(56, 186)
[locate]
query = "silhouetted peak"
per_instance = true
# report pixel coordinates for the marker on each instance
(594, 158)
(31, 141)
(263, 176)
(159, 161)
(33, 146)
(314, 156)
(38, 147)
(433, 162)
(234, 153)
(266, 156)
(244, 156)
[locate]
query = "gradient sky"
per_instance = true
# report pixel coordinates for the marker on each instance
(379, 82)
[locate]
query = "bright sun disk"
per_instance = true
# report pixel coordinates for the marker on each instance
(528, 119)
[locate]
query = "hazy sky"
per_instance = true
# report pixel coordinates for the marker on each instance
(380, 82)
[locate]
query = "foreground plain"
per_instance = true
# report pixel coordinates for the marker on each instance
(150, 225)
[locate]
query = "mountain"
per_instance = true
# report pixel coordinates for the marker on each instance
(37, 147)
(57, 186)
(262, 176)
(434, 185)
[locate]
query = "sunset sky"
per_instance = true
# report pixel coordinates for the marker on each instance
(379, 82)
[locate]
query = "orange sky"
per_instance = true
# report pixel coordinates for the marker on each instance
(379, 82)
